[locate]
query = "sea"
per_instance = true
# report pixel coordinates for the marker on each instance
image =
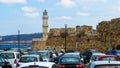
(11, 46)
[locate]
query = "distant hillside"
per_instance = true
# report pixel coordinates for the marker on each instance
(22, 37)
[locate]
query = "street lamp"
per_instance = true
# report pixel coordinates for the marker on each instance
(111, 40)
(19, 40)
(65, 36)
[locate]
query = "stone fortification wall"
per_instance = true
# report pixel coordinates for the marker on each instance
(110, 30)
(58, 31)
(107, 36)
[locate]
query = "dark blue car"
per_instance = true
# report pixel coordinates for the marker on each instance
(113, 52)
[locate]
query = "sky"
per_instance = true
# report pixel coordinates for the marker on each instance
(26, 15)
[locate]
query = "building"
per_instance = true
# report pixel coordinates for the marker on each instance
(55, 38)
(40, 43)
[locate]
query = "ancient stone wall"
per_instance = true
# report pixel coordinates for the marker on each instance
(107, 36)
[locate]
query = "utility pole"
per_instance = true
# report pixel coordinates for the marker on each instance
(111, 40)
(19, 40)
(76, 44)
(65, 36)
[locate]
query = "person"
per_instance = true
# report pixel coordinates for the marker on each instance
(55, 54)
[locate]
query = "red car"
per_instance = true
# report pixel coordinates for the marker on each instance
(106, 57)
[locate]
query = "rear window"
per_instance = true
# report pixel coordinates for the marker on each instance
(44, 54)
(108, 66)
(8, 55)
(70, 60)
(28, 59)
(108, 58)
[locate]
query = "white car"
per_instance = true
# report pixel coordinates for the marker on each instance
(94, 56)
(28, 58)
(46, 55)
(104, 64)
(11, 56)
(38, 65)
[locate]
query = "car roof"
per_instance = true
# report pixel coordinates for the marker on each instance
(30, 55)
(107, 56)
(98, 53)
(43, 51)
(9, 52)
(69, 55)
(105, 62)
(46, 64)
(72, 53)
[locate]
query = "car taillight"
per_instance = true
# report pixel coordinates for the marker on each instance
(61, 66)
(15, 61)
(79, 66)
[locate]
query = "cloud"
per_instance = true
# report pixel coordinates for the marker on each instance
(104, 1)
(82, 14)
(41, 1)
(30, 11)
(67, 3)
(117, 8)
(33, 14)
(13, 1)
(64, 18)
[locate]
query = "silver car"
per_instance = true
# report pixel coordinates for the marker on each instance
(104, 64)
(11, 56)
(46, 55)
(28, 58)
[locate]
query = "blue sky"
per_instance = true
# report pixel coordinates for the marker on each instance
(26, 15)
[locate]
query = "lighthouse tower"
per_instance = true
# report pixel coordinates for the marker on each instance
(45, 25)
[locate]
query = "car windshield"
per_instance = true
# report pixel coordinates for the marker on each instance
(28, 59)
(1, 60)
(7, 55)
(108, 58)
(70, 60)
(93, 57)
(44, 54)
(108, 66)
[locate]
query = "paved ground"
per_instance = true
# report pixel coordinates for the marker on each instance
(86, 65)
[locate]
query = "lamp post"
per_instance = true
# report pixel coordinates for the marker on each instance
(19, 40)
(65, 36)
(111, 40)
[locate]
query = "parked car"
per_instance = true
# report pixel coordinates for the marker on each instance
(11, 56)
(87, 54)
(33, 52)
(28, 58)
(94, 56)
(38, 65)
(75, 54)
(70, 61)
(4, 63)
(113, 52)
(106, 57)
(46, 55)
(56, 59)
(104, 64)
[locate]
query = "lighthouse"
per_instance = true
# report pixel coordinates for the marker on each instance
(45, 24)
